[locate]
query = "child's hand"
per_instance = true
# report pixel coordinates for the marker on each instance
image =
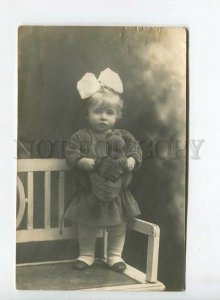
(86, 164)
(130, 163)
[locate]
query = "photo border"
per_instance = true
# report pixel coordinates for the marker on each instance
(202, 281)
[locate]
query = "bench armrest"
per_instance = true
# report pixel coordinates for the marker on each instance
(153, 233)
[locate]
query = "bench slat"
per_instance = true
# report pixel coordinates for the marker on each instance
(152, 258)
(61, 197)
(30, 201)
(143, 227)
(36, 165)
(51, 234)
(47, 193)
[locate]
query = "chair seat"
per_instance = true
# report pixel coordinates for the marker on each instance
(61, 276)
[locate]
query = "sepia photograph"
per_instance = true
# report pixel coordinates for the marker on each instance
(102, 158)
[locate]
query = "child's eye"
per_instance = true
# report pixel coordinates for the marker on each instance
(97, 111)
(110, 112)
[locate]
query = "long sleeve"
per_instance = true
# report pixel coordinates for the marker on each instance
(133, 148)
(73, 150)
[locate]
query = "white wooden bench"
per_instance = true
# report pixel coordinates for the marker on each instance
(30, 234)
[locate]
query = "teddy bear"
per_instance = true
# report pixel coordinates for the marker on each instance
(106, 179)
(113, 165)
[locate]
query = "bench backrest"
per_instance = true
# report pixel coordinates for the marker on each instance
(27, 169)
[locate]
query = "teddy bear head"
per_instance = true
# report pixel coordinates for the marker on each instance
(116, 145)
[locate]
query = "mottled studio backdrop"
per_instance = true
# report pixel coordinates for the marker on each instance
(152, 65)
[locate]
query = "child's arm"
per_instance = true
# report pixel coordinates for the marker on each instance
(75, 158)
(133, 151)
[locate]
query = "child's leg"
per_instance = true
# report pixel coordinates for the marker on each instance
(87, 239)
(116, 240)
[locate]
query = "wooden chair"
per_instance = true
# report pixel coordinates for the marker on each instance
(58, 275)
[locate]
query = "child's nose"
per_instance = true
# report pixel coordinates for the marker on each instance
(103, 116)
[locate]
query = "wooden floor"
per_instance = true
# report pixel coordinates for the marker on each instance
(61, 276)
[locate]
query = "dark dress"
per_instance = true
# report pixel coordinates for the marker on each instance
(85, 208)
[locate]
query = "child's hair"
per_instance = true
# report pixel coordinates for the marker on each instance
(105, 98)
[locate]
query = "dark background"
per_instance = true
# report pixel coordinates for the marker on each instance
(151, 63)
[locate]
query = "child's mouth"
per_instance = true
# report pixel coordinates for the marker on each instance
(102, 124)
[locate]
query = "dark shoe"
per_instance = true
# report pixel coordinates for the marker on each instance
(119, 267)
(80, 265)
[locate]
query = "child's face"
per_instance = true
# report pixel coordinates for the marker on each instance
(102, 119)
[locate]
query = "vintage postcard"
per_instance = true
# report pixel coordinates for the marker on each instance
(102, 160)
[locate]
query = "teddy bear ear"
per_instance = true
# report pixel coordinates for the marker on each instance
(117, 141)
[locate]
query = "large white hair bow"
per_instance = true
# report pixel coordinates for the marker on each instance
(88, 85)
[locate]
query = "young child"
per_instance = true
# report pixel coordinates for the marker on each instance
(102, 159)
